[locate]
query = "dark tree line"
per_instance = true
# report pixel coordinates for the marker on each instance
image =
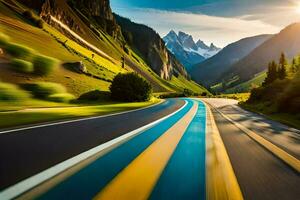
(280, 91)
(280, 71)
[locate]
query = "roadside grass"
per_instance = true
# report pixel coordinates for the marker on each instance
(241, 97)
(30, 103)
(40, 115)
(284, 118)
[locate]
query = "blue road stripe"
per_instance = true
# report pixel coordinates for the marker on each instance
(184, 175)
(86, 183)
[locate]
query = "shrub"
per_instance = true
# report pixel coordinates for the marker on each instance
(204, 94)
(171, 95)
(4, 40)
(256, 95)
(78, 67)
(289, 99)
(18, 50)
(22, 65)
(130, 87)
(61, 97)
(187, 92)
(44, 89)
(28, 14)
(94, 95)
(10, 92)
(40, 23)
(43, 65)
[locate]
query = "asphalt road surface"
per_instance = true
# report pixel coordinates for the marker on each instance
(160, 152)
(260, 174)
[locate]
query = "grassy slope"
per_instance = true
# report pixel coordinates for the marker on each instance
(23, 33)
(241, 97)
(247, 86)
(182, 83)
(42, 42)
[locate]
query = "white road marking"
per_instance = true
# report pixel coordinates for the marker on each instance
(31, 182)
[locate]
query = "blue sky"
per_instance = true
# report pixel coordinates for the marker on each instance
(217, 21)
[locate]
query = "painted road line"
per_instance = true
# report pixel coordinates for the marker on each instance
(138, 179)
(76, 120)
(221, 182)
(184, 175)
(31, 182)
(86, 183)
(281, 154)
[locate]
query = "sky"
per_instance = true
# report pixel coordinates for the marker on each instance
(219, 21)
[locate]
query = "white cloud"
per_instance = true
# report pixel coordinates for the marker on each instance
(219, 30)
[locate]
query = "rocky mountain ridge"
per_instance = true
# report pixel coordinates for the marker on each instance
(185, 49)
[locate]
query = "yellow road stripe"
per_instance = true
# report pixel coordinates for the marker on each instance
(138, 179)
(221, 182)
(281, 154)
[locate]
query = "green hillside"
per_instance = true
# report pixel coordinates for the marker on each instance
(248, 85)
(101, 68)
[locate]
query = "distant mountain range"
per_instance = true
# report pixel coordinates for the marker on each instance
(211, 70)
(185, 49)
(287, 41)
(243, 60)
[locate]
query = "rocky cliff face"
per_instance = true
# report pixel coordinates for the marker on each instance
(160, 61)
(61, 12)
(93, 14)
(152, 48)
(99, 8)
(99, 11)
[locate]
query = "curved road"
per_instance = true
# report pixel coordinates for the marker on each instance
(180, 149)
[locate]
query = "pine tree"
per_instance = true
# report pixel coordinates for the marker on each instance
(123, 62)
(293, 68)
(271, 73)
(295, 65)
(298, 64)
(282, 73)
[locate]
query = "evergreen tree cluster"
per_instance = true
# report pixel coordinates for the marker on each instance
(280, 91)
(280, 70)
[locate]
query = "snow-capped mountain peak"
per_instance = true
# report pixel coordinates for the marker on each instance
(187, 41)
(212, 47)
(185, 49)
(202, 45)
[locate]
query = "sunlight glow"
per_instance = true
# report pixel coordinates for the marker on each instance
(298, 8)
